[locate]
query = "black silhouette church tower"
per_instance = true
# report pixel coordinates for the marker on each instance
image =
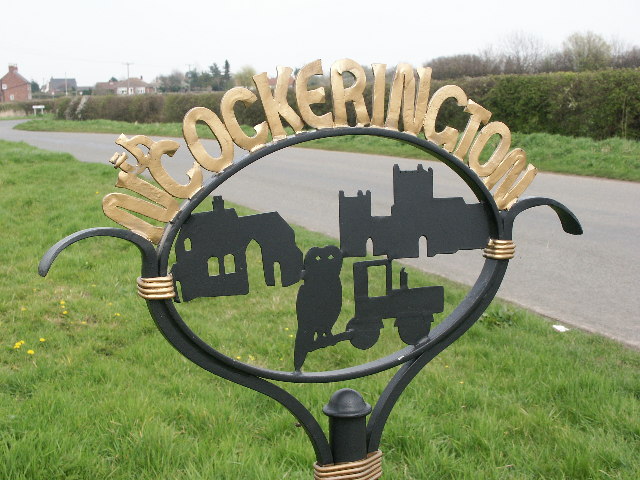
(448, 224)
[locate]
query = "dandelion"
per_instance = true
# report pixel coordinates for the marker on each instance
(252, 358)
(22, 342)
(117, 315)
(238, 357)
(17, 345)
(23, 309)
(286, 329)
(30, 352)
(290, 335)
(83, 322)
(461, 381)
(65, 312)
(97, 193)
(61, 302)
(42, 340)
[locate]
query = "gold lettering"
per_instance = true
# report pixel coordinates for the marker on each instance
(493, 128)
(247, 97)
(379, 87)
(115, 206)
(153, 161)
(275, 105)
(511, 188)
(213, 164)
(403, 93)
(165, 180)
(448, 136)
(354, 93)
(479, 115)
(500, 164)
(305, 98)
(131, 145)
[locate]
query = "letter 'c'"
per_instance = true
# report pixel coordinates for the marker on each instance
(493, 128)
(202, 114)
(448, 136)
(246, 96)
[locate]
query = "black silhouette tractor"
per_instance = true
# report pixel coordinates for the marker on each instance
(413, 308)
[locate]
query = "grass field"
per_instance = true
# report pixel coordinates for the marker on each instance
(90, 389)
(612, 158)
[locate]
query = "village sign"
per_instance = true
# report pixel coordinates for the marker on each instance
(180, 253)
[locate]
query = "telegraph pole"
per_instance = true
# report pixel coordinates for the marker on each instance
(188, 77)
(127, 64)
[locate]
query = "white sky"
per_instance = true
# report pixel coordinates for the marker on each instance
(91, 41)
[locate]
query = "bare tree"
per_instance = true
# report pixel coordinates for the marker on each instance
(491, 60)
(555, 62)
(456, 66)
(624, 55)
(587, 51)
(244, 76)
(522, 53)
(174, 82)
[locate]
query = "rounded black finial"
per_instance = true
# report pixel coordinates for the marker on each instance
(347, 403)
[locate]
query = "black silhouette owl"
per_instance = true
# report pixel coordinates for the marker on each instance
(319, 298)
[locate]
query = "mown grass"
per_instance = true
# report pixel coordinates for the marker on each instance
(614, 158)
(105, 396)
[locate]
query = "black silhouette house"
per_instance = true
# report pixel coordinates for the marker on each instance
(211, 249)
(448, 224)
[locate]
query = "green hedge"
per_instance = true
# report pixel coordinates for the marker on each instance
(590, 104)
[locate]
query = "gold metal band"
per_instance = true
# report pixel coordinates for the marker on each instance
(157, 288)
(500, 249)
(368, 469)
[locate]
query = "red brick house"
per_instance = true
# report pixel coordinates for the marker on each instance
(15, 88)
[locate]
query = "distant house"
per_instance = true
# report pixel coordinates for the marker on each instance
(133, 86)
(61, 86)
(15, 88)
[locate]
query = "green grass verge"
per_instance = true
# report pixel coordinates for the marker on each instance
(105, 396)
(614, 158)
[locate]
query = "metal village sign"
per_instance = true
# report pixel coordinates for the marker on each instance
(448, 224)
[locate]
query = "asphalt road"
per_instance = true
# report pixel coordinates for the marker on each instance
(585, 281)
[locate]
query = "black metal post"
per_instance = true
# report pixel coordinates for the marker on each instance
(347, 413)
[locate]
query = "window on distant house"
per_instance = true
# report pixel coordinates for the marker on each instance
(12, 97)
(122, 91)
(4, 86)
(140, 90)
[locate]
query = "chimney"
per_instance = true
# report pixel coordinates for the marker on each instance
(13, 68)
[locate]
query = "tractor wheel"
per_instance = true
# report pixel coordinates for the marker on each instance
(412, 329)
(364, 335)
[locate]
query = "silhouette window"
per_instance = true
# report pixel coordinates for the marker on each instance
(229, 264)
(213, 266)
